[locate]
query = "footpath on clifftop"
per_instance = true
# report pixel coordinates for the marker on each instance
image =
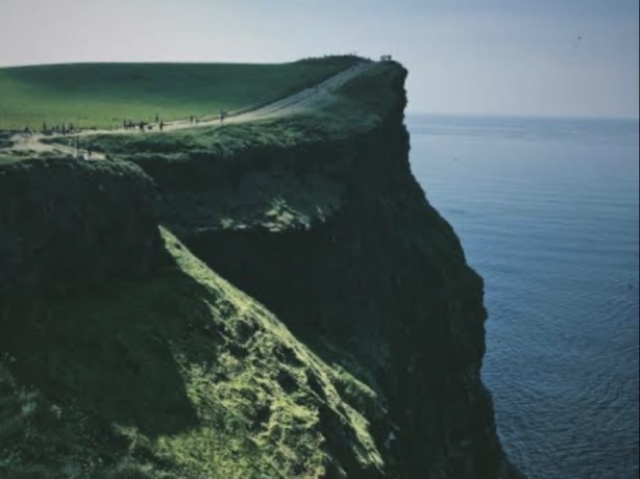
(299, 102)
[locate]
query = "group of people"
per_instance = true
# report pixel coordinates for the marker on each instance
(126, 124)
(57, 129)
(141, 125)
(193, 120)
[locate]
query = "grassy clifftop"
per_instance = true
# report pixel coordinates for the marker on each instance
(359, 106)
(280, 173)
(103, 95)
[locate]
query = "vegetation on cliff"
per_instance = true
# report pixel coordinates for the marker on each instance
(169, 372)
(358, 106)
(67, 225)
(278, 173)
(103, 95)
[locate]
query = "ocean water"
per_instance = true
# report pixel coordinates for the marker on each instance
(547, 212)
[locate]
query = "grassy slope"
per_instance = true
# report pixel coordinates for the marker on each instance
(356, 106)
(179, 376)
(102, 95)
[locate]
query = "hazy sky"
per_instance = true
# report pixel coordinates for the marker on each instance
(514, 57)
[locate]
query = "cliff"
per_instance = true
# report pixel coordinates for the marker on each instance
(354, 349)
(69, 225)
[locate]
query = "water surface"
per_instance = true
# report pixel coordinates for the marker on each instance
(547, 212)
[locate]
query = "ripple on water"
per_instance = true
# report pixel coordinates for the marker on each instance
(552, 226)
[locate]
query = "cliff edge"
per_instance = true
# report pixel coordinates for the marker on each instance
(345, 340)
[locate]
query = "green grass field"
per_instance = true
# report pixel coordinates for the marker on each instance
(355, 106)
(103, 95)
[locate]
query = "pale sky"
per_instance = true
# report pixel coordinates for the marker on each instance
(576, 58)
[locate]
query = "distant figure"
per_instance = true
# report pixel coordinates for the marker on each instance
(191, 119)
(221, 115)
(44, 127)
(391, 439)
(161, 125)
(141, 126)
(197, 121)
(157, 118)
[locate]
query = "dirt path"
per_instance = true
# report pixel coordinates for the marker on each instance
(296, 103)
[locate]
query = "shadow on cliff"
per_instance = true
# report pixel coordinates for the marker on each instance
(84, 280)
(117, 352)
(382, 290)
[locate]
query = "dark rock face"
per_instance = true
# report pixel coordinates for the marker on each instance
(68, 225)
(382, 287)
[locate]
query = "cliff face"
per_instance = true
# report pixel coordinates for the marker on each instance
(332, 236)
(69, 226)
(123, 356)
(382, 284)
(377, 283)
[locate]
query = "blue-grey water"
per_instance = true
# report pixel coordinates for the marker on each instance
(547, 211)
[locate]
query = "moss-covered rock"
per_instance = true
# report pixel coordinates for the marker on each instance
(180, 375)
(68, 225)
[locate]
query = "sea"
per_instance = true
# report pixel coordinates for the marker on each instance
(547, 212)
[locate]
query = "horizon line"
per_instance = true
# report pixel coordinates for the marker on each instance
(522, 116)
